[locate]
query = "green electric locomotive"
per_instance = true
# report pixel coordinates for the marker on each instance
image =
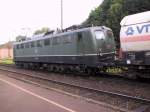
(84, 49)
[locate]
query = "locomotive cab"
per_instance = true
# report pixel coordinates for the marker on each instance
(105, 45)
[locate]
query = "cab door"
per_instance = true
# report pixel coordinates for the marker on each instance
(80, 47)
(80, 44)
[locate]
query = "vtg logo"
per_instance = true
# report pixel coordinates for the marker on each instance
(139, 29)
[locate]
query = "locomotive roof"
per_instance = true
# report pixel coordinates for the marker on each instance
(63, 33)
(136, 18)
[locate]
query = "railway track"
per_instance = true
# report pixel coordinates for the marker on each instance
(86, 89)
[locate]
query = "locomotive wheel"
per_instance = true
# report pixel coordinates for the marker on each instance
(25, 65)
(61, 69)
(21, 65)
(89, 71)
(50, 68)
(18, 65)
(56, 68)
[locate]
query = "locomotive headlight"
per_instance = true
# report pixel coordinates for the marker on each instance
(128, 61)
(147, 53)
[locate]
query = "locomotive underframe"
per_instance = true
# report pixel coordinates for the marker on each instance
(88, 64)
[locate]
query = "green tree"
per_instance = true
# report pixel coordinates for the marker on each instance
(111, 12)
(115, 15)
(20, 38)
(42, 30)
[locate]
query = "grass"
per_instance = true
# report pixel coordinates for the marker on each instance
(6, 61)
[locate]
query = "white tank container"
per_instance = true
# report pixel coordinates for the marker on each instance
(135, 32)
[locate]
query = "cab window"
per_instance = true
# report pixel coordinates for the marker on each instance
(56, 40)
(22, 46)
(26, 45)
(99, 35)
(47, 42)
(32, 44)
(18, 46)
(39, 43)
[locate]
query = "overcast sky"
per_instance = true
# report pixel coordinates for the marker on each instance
(22, 17)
